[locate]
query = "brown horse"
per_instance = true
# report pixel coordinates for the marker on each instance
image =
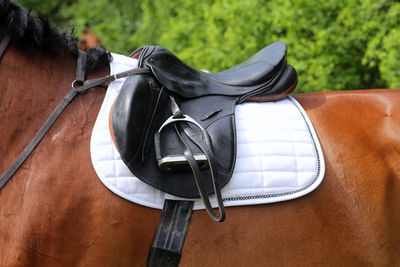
(56, 212)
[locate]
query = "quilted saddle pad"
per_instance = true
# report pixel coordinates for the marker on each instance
(279, 156)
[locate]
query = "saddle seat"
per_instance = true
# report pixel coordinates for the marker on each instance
(257, 69)
(200, 106)
(253, 77)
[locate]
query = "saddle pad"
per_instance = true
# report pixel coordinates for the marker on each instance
(278, 153)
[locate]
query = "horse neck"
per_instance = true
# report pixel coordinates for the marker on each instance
(31, 86)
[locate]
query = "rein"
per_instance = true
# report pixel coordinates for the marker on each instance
(79, 85)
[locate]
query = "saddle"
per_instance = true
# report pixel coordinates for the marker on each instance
(174, 126)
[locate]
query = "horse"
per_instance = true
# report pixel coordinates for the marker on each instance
(56, 212)
(88, 40)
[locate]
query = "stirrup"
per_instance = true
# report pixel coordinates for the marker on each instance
(180, 122)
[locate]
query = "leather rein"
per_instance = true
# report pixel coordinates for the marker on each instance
(79, 85)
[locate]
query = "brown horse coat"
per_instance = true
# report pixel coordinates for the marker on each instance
(56, 212)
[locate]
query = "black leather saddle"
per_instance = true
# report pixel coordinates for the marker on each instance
(175, 128)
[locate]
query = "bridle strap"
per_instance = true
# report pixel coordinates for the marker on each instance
(44, 129)
(4, 44)
(81, 66)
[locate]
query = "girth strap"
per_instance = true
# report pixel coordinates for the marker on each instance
(171, 233)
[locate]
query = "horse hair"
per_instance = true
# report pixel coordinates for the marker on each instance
(36, 32)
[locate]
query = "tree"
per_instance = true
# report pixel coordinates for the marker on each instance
(334, 45)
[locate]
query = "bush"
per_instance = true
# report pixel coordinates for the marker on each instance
(334, 45)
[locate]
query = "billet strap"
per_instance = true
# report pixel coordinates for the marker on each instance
(4, 44)
(171, 233)
(60, 108)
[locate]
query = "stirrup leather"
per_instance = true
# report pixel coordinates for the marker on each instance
(180, 122)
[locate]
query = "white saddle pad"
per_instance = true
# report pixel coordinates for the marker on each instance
(278, 153)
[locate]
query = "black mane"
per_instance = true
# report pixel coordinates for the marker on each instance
(35, 32)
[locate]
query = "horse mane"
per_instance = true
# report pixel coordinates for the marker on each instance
(36, 32)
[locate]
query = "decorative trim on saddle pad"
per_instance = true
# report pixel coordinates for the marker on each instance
(278, 153)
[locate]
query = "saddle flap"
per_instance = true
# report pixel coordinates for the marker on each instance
(130, 116)
(138, 113)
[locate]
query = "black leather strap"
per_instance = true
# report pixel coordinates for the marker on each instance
(171, 233)
(180, 121)
(81, 68)
(45, 128)
(60, 108)
(4, 44)
(198, 176)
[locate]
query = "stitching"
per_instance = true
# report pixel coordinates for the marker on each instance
(266, 196)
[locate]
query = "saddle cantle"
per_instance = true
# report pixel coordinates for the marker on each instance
(175, 127)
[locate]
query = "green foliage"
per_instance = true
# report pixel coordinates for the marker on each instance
(52, 9)
(113, 21)
(334, 45)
